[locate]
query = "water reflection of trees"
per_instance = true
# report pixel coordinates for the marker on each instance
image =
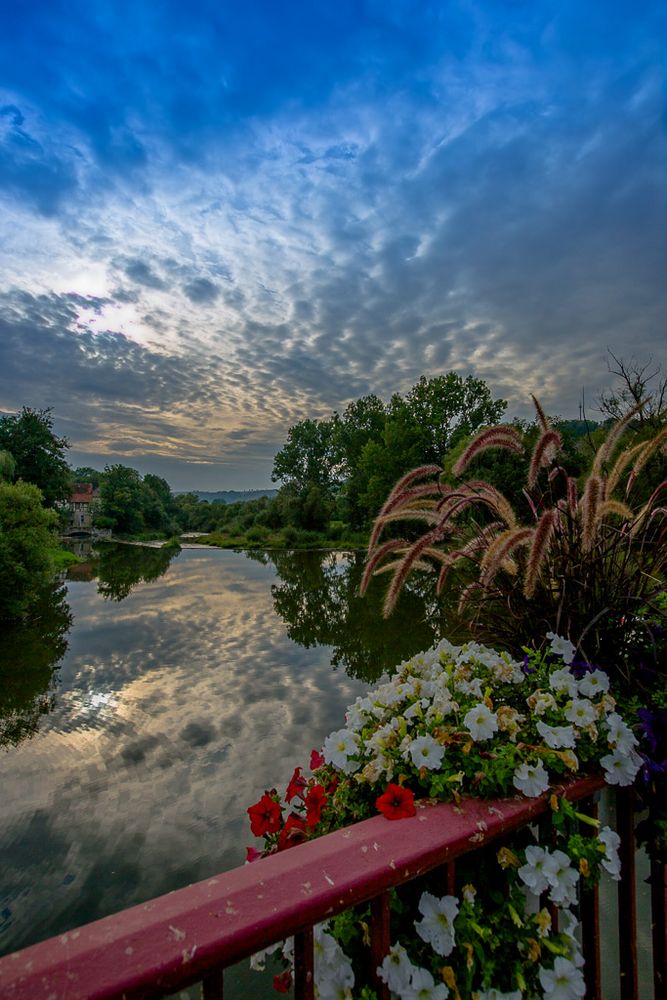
(29, 655)
(120, 568)
(318, 599)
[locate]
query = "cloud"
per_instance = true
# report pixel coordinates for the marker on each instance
(201, 291)
(31, 169)
(471, 191)
(142, 274)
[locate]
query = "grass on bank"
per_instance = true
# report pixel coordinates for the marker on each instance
(286, 538)
(62, 558)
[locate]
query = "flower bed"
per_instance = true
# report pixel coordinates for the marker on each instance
(454, 722)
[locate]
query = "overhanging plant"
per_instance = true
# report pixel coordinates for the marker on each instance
(451, 722)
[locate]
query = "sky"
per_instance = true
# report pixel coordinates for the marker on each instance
(218, 219)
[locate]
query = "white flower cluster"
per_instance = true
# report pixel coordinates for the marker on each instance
(544, 870)
(444, 708)
(408, 981)
(334, 977)
(477, 694)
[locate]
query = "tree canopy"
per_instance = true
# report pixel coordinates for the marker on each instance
(350, 462)
(26, 536)
(38, 453)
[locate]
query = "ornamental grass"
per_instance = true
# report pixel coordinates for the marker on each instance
(587, 563)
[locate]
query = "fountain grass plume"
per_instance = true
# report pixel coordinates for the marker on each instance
(584, 558)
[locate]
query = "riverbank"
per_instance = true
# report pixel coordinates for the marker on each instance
(287, 538)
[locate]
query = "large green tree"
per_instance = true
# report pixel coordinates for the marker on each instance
(38, 453)
(448, 408)
(122, 499)
(26, 536)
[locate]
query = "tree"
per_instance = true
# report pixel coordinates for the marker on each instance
(85, 474)
(159, 509)
(309, 456)
(26, 535)
(381, 463)
(308, 465)
(121, 499)
(38, 453)
(449, 407)
(7, 467)
(636, 384)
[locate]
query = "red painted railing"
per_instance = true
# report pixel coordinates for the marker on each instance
(193, 934)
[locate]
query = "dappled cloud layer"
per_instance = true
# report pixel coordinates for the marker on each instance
(218, 224)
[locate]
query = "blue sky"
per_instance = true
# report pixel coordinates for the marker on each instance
(217, 219)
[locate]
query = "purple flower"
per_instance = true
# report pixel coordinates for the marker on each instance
(525, 667)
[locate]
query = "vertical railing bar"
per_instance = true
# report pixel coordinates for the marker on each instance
(304, 973)
(212, 985)
(380, 941)
(659, 927)
(627, 895)
(590, 924)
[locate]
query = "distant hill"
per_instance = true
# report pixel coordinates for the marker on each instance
(230, 496)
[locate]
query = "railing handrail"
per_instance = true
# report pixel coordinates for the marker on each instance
(174, 940)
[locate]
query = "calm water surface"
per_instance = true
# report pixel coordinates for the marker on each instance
(158, 698)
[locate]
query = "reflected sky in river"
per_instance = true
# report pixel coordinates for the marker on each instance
(175, 708)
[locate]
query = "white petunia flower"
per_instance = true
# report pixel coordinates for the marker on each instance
(556, 737)
(437, 927)
(538, 871)
(531, 779)
(338, 748)
(396, 969)
(563, 681)
(540, 702)
(561, 647)
(325, 947)
(336, 982)
(619, 734)
(423, 987)
(481, 722)
(568, 923)
(416, 710)
(581, 712)
(611, 841)
(621, 768)
(355, 716)
(563, 878)
(564, 982)
(471, 687)
(426, 752)
(593, 684)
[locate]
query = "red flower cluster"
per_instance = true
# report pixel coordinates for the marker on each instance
(266, 817)
(396, 802)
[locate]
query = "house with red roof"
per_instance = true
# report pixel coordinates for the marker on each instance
(81, 505)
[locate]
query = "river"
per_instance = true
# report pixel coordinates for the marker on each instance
(155, 700)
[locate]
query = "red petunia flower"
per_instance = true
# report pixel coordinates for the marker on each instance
(315, 800)
(265, 816)
(296, 785)
(316, 760)
(252, 854)
(283, 982)
(293, 832)
(397, 802)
